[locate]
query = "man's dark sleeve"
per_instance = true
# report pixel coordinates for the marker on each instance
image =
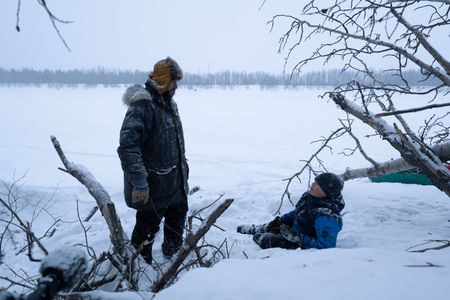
(134, 131)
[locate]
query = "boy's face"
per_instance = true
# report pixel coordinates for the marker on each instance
(316, 191)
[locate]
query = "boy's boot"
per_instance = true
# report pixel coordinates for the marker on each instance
(273, 227)
(251, 229)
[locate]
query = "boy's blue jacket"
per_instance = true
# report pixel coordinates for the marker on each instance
(317, 219)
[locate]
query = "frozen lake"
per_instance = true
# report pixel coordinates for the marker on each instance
(267, 131)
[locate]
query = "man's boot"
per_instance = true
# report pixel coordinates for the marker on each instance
(169, 247)
(145, 250)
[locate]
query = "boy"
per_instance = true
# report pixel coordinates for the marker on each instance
(314, 223)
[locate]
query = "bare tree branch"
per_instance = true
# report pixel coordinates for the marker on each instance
(91, 214)
(298, 24)
(100, 195)
(411, 110)
(53, 19)
(437, 1)
(358, 144)
(433, 52)
(411, 150)
(335, 134)
(189, 244)
(30, 234)
(444, 244)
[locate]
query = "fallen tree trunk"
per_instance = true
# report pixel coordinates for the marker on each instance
(125, 252)
(100, 195)
(412, 149)
(393, 166)
(189, 244)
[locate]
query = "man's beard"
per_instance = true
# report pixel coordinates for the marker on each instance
(167, 96)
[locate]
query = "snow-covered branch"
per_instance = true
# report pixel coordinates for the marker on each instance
(97, 191)
(415, 152)
(392, 166)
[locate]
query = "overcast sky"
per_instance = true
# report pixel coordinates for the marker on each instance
(203, 35)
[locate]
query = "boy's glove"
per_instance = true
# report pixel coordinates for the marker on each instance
(274, 225)
(139, 197)
(290, 236)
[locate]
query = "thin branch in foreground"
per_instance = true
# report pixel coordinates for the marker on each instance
(12, 283)
(18, 16)
(53, 19)
(91, 214)
(189, 244)
(411, 110)
(358, 144)
(90, 251)
(335, 134)
(445, 244)
(25, 227)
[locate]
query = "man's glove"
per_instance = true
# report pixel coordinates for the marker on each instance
(274, 225)
(139, 197)
(290, 236)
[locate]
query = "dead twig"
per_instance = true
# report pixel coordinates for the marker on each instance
(188, 245)
(445, 244)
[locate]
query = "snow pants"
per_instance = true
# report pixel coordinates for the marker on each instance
(272, 240)
(147, 225)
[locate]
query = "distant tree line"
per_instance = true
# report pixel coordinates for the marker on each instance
(331, 77)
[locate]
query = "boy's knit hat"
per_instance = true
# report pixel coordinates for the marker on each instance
(330, 183)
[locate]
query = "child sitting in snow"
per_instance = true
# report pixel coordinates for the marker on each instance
(314, 223)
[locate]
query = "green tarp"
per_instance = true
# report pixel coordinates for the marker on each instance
(403, 177)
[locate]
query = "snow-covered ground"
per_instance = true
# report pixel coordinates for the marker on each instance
(241, 143)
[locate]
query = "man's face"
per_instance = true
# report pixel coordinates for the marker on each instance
(173, 85)
(316, 191)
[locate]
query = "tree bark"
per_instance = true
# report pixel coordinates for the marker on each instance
(189, 244)
(412, 150)
(100, 195)
(396, 165)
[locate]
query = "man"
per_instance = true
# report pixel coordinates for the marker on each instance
(153, 159)
(314, 223)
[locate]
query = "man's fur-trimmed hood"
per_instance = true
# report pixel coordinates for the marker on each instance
(134, 93)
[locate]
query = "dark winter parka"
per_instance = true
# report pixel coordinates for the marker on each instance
(318, 219)
(151, 148)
